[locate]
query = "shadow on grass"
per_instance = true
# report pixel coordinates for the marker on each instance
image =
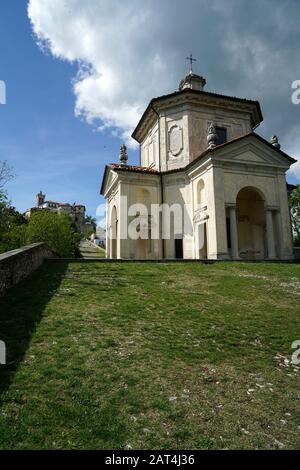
(21, 310)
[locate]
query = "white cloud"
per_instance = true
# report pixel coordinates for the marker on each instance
(129, 51)
(293, 148)
(295, 169)
(118, 71)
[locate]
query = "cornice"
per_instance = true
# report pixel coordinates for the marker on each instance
(161, 104)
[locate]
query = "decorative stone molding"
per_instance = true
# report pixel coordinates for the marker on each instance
(272, 208)
(175, 140)
(201, 217)
(201, 214)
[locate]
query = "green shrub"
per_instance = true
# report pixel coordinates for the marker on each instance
(14, 238)
(54, 229)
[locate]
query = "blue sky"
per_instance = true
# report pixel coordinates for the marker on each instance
(48, 147)
(121, 54)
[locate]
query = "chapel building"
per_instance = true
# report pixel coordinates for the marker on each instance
(199, 150)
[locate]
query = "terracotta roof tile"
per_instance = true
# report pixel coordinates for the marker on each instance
(138, 169)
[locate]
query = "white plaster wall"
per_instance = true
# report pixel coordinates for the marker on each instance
(112, 201)
(176, 118)
(177, 191)
(132, 187)
(286, 247)
(236, 123)
(193, 122)
(236, 179)
(221, 246)
(150, 148)
(208, 178)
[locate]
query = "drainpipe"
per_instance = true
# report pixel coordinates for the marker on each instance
(161, 181)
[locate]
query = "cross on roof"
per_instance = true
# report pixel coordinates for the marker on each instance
(191, 60)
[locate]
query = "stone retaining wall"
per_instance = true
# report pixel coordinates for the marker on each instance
(18, 264)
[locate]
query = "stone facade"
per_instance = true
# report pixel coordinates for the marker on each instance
(18, 264)
(199, 151)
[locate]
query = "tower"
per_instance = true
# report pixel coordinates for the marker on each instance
(40, 199)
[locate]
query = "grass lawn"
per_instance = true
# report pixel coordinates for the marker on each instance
(151, 356)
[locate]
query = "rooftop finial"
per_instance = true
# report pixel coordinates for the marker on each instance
(192, 80)
(123, 155)
(191, 60)
(212, 136)
(275, 142)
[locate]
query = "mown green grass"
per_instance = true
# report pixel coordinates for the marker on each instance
(151, 356)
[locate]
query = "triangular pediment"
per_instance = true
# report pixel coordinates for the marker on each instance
(109, 179)
(253, 151)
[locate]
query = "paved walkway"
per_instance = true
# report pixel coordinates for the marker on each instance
(89, 251)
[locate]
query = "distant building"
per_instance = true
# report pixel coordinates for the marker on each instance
(76, 212)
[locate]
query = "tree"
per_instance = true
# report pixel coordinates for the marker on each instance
(90, 220)
(13, 233)
(6, 174)
(54, 229)
(294, 200)
(14, 238)
(12, 226)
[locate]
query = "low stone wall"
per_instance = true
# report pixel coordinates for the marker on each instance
(18, 264)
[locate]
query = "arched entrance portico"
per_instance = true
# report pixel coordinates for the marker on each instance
(251, 224)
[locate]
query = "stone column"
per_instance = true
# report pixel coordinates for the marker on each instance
(279, 232)
(107, 231)
(234, 233)
(270, 234)
(108, 241)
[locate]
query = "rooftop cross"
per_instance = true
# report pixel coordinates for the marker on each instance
(191, 60)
